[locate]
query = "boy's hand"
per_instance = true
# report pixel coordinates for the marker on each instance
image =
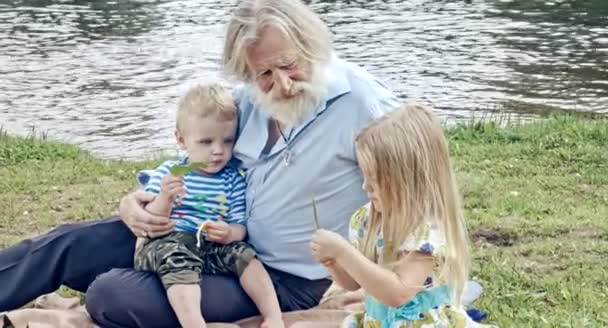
(172, 186)
(218, 231)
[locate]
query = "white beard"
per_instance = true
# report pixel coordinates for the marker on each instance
(292, 112)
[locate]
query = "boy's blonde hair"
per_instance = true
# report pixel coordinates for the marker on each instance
(405, 155)
(205, 100)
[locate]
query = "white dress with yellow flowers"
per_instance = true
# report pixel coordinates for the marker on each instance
(430, 308)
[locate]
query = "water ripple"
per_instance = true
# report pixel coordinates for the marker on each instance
(106, 74)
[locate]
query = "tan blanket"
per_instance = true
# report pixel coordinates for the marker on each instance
(54, 311)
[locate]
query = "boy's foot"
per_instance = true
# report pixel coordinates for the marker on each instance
(273, 323)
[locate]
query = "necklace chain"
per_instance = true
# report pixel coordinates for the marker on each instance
(287, 154)
(281, 131)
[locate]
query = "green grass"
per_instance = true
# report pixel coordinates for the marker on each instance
(536, 200)
(44, 184)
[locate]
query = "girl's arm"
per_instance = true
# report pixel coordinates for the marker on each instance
(392, 288)
(341, 277)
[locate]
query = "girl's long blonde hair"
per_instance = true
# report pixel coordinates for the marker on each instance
(405, 156)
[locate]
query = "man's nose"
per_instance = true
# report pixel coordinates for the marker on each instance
(284, 82)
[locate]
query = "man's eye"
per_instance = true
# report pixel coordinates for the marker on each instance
(289, 66)
(229, 141)
(263, 76)
(205, 141)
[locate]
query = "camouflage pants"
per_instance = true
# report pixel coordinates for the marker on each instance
(177, 259)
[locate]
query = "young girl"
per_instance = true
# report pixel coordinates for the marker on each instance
(409, 247)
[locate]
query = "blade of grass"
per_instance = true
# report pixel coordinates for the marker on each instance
(316, 216)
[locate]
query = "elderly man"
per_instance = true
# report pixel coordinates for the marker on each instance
(301, 108)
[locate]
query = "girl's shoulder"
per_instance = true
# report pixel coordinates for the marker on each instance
(426, 239)
(358, 226)
(360, 217)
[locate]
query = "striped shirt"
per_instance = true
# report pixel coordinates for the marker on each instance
(207, 196)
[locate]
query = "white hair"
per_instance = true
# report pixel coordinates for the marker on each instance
(303, 28)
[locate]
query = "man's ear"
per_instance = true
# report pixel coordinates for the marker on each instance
(179, 138)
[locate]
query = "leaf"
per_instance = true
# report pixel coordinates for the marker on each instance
(185, 169)
(316, 216)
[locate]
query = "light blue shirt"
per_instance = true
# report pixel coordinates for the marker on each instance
(322, 165)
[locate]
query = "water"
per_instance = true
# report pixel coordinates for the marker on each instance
(106, 74)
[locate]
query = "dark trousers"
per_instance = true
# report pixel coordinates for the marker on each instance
(100, 254)
(71, 255)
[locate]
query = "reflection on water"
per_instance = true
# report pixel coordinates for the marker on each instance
(106, 74)
(558, 50)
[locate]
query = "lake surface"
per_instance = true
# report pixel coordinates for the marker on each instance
(106, 74)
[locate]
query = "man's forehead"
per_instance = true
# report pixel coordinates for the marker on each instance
(273, 47)
(261, 61)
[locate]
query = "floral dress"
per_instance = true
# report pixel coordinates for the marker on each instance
(430, 308)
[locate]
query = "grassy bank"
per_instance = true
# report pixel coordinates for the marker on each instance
(536, 199)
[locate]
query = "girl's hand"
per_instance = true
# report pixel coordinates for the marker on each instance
(171, 187)
(327, 245)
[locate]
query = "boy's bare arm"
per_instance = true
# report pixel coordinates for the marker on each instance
(158, 206)
(170, 187)
(161, 205)
(237, 232)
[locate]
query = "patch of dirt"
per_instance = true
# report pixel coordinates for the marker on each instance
(586, 233)
(494, 237)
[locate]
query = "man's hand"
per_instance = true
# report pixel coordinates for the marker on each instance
(141, 222)
(219, 231)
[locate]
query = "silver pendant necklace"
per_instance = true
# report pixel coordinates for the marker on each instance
(287, 153)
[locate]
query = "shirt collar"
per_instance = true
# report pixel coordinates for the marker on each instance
(337, 81)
